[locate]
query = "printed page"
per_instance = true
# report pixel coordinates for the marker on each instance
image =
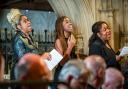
(124, 51)
(56, 57)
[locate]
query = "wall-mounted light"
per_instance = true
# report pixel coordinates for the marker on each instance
(26, 10)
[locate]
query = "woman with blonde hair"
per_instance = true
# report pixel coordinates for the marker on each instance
(22, 42)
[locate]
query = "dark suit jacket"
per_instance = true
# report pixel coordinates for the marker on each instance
(98, 47)
(90, 87)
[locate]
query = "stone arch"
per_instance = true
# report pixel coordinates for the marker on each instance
(80, 13)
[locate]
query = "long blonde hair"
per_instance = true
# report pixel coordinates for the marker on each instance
(14, 17)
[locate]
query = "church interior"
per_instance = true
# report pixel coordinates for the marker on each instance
(83, 13)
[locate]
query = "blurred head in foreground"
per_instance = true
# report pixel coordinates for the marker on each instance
(96, 65)
(113, 79)
(31, 67)
(75, 74)
(2, 66)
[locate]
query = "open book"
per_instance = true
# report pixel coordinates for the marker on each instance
(56, 57)
(124, 51)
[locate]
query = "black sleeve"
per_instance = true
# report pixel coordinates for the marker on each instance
(95, 49)
(118, 52)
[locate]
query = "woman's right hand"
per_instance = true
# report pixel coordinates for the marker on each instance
(71, 41)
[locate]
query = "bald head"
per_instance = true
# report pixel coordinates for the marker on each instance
(95, 58)
(72, 67)
(97, 66)
(31, 67)
(75, 74)
(113, 79)
(94, 62)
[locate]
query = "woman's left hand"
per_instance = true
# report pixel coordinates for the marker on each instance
(118, 58)
(46, 56)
